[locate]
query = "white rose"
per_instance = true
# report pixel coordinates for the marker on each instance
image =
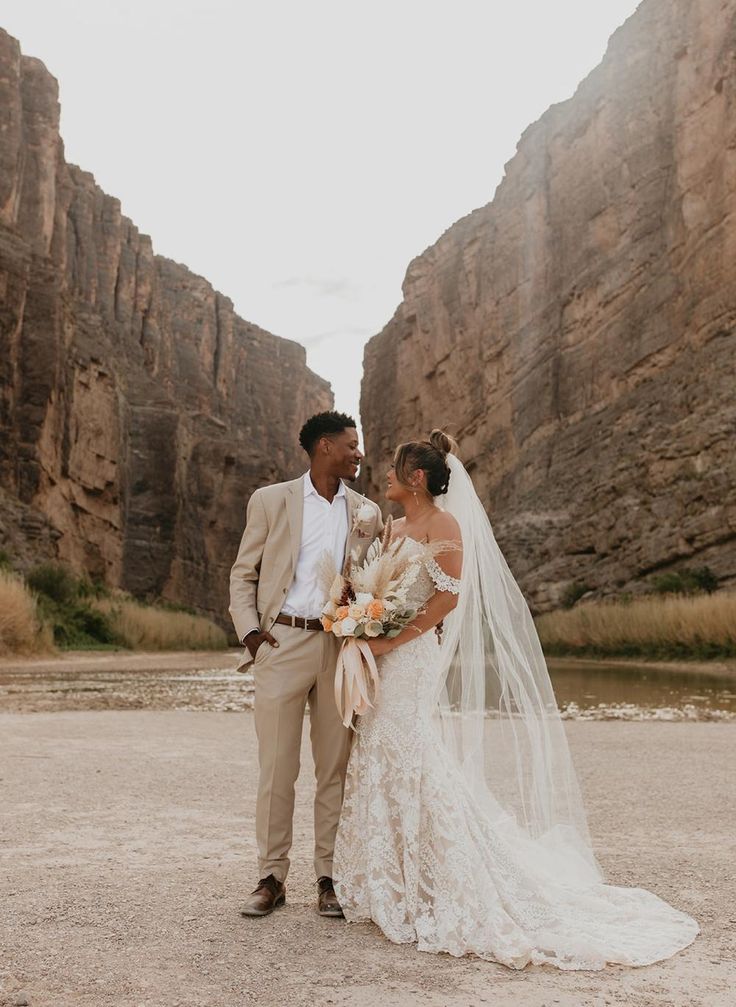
(356, 612)
(373, 628)
(365, 512)
(348, 626)
(336, 628)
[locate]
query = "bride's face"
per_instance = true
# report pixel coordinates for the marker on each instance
(396, 491)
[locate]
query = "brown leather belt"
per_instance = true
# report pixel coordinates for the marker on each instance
(297, 621)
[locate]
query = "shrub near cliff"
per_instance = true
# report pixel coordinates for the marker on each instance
(22, 630)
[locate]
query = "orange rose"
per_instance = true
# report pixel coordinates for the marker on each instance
(326, 623)
(375, 609)
(342, 612)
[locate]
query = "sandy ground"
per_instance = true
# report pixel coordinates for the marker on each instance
(127, 843)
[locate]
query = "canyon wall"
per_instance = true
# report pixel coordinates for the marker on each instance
(578, 333)
(137, 410)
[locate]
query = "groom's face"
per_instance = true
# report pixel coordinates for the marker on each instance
(344, 454)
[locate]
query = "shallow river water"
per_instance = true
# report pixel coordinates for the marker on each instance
(208, 681)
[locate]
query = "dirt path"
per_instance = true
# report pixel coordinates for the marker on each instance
(127, 843)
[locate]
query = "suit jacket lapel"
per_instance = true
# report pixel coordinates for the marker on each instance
(295, 513)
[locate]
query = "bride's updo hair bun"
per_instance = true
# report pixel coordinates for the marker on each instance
(445, 444)
(431, 456)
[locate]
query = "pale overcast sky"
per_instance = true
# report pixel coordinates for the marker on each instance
(299, 153)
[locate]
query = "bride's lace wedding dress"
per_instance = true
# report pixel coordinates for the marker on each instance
(416, 854)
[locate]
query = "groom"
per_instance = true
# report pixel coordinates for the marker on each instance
(275, 604)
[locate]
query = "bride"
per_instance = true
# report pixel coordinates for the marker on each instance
(463, 828)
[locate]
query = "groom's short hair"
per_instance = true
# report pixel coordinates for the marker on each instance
(322, 424)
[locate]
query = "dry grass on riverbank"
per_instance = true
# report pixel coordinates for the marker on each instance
(144, 627)
(29, 622)
(675, 626)
(21, 629)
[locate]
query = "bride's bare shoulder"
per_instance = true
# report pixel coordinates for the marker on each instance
(444, 526)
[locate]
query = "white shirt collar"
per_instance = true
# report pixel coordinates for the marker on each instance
(309, 487)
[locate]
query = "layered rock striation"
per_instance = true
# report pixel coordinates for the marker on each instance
(137, 410)
(578, 333)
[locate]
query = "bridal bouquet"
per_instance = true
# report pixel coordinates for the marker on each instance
(368, 601)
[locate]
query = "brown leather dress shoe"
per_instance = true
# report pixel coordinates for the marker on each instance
(327, 904)
(269, 895)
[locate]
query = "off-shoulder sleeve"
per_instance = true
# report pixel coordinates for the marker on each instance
(442, 581)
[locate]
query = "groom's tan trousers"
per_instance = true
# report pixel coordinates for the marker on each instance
(300, 671)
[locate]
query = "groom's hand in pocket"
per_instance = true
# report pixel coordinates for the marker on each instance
(254, 639)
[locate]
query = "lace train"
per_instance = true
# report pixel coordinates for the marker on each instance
(414, 854)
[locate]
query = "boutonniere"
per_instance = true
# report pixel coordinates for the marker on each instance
(363, 518)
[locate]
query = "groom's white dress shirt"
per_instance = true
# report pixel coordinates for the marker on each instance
(324, 526)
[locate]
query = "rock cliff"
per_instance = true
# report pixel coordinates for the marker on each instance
(578, 333)
(137, 410)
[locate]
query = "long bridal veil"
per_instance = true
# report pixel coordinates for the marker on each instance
(498, 713)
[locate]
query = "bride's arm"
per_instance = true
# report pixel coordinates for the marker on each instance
(442, 602)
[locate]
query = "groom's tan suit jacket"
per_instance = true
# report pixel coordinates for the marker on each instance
(264, 569)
